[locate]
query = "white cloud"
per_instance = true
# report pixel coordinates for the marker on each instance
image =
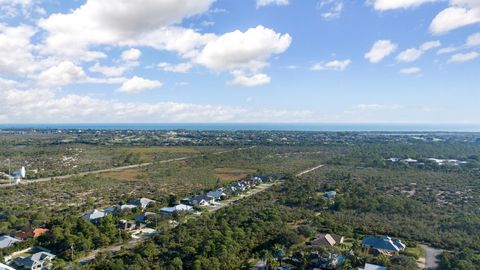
(241, 79)
(336, 65)
(380, 50)
(263, 3)
(473, 40)
(411, 71)
(62, 74)
(430, 45)
(397, 4)
(463, 57)
(413, 54)
(331, 9)
(109, 71)
(246, 52)
(409, 55)
(112, 22)
(178, 68)
(454, 17)
(131, 55)
(447, 50)
(243, 50)
(137, 85)
(46, 106)
(16, 50)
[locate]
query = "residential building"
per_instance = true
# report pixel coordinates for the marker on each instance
(218, 194)
(330, 194)
(181, 208)
(94, 215)
(323, 239)
(34, 233)
(369, 266)
(38, 261)
(127, 225)
(5, 267)
(384, 245)
(7, 241)
(198, 200)
(142, 202)
(144, 217)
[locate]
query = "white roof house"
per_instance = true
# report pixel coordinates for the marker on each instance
(176, 209)
(7, 241)
(5, 267)
(142, 202)
(94, 215)
(369, 266)
(41, 260)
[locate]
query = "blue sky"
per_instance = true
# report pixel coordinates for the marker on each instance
(323, 61)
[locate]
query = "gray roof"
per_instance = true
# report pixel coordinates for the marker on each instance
(5, 267)
(177, 208)
(369, 266)
(94, 214)
(217, 194)
(142, 202)
(37, 258)
(385, 243)
(8, 241)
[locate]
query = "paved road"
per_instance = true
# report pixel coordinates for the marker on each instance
(431, 261)
(116, 169)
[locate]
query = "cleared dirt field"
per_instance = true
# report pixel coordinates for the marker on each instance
(232, 174)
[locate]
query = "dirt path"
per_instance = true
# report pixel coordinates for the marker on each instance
(309, 170)
(431, 261)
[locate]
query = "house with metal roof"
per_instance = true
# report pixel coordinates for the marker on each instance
(7, 241)
(181, 208)
(369, 266)
(94, 215)
(385, 245)
(38, 261)
(142, 202)
(5, 267)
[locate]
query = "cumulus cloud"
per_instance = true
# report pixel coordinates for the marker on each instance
(111, 22)
(16, 56)
(246, 52)
(411, 71)
(62, 74)
(330, 9)
(109, 71)
(380, 50)
(461, 13)
(336, 65)
(137, 85)
(177, 68)
(263, 3)
(413, 54)
(241, 79)
(397, 4)
(463, 57)
(131, 55)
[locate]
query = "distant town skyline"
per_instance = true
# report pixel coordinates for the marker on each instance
(257, 61)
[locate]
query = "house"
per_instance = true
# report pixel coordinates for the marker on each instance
(94, 215)
(177, 209)
(384, 245)
(144, 217)
(327, 261)
(126, 225)
(369, 266)
(34, 233)
(7, 241)
(322, 239)
(38, 261)
(127, 207)
(110, 210)
(142, 202)
(198, 200)
(409, 161)
(5, 267)
(218, 194)
(330, 194)
(261, 265)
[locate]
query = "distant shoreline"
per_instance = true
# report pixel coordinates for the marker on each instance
(259, 127)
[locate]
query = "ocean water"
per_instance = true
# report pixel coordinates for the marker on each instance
(259, 126)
